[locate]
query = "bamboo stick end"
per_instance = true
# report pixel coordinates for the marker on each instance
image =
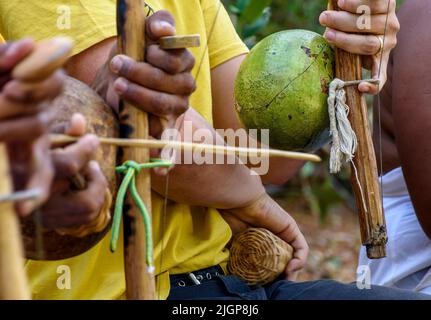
(376, 251)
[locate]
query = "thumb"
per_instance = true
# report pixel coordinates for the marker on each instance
(160, 24)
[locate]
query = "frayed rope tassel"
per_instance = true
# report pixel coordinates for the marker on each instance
(344, 140)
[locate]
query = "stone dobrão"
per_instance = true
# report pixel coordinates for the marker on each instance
(101, 121)
(283, 86)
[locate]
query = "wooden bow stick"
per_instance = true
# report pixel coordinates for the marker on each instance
(365, 185)
(190, 146)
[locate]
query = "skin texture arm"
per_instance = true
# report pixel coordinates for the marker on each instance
(411, 112)
(219, 186)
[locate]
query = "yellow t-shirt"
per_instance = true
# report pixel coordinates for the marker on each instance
(193, 237)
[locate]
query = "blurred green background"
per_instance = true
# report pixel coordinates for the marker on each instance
(255, 19)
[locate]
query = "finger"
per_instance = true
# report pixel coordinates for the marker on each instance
(369, 88)
(152, 77)
(348, 22)
(69, 210)
(77, 208)
(73, 159)
(75, 127)
(11, 109)
(158, 103)
(378, 71)
(171, 61)
(373, 6)
(300, 254)
(160, 24)
(92, 199)
(156, 128)
(26, 128)
(26, 92)
(353, 43)
(96, 179)
(61, 212)
(14, 53)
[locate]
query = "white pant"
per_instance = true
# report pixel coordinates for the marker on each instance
(408, 261)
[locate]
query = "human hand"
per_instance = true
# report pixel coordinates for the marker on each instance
(24, 121)
(342, 30)
(24, 107)
(266, 213)
(160, 86)
(68, 207)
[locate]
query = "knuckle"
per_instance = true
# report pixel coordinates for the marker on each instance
(92, 216)
(158, 76)
(160, 105)
(370, 46)
(90, 207)
(70, 168)
(189, 83)
(186, 83)
(394, 24)
(152, 53)
(191, 58)
(173, 64)
(392, 43)
(182, 106)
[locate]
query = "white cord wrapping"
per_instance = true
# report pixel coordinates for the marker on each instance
(344, 141)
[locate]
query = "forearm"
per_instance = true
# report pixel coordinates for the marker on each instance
(220, 186)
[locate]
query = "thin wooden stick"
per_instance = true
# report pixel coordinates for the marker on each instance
(140, 284)
(13, 281)
(189, 146)
(371, 217)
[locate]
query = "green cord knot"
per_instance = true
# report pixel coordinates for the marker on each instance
(129, 164)
(131, 169)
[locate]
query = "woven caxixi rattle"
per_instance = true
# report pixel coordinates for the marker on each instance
(258, 256)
